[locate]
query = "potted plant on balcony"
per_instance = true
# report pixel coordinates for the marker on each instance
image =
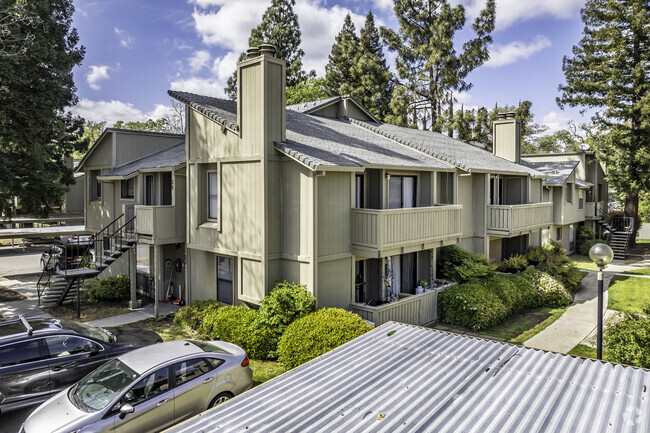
(421, 287)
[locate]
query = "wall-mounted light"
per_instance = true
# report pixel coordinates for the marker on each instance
(387, 176)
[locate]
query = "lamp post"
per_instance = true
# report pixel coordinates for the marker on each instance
(601, 255)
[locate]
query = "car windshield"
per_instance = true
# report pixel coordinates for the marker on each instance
(95, 391)
(85, 330)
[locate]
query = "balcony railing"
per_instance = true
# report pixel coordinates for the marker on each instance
(163, 224)
(506, 220)
(383, 232)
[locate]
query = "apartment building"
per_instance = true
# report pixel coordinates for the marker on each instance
(325, 195)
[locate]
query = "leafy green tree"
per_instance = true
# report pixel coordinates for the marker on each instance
(610, 70)
(340, 78)
(309, 90)
(36, 87)
(16, 43)
(372, 72)
(151, 125)
(427, 62)
(280, 28)
(482, 127)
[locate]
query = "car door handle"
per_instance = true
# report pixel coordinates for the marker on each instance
(57, 368)
(162, 402)
(208, 380)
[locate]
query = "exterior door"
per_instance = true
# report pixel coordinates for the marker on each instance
(149, 193)
(401, 192)
(153, 402)
(224, 280)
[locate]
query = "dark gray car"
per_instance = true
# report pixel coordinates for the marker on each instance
(147, 390)
(41, 356)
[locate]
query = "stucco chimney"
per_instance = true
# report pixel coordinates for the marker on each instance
(506, 137)
(261, 98)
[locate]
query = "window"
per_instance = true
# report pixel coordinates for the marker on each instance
(224, 280)
(149, 191)
(359, 281)
(95, 185)
(401, 192)
(190, 369)
(569, 193)
(581, 199)
(358, 190)
(20, 353)
(128, 188)
(558, 235)
(66, 345)
(445, 188)
(149, 387)
(167, 189)
(213, 195)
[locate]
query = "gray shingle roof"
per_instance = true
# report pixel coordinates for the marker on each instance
(583, 184)
(325, 142)
(462, 155)
(308, 107)
(220, 110)
(401, 378)
(168, 158)
(558, 171)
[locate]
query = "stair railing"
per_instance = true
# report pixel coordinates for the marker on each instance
(41, 285)
(97, 244)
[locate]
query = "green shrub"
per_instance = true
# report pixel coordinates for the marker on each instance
(560, 267)
(584, 234)
(113, 288)
(458, 265)
(551, 292)
(628, 342)
(286, 303)
(586, 246)
(318, 333)
(472, 306)
(192, 315)
(516, 292)
(236, 325)
(572, 279)
(536, 255)
(514, 264)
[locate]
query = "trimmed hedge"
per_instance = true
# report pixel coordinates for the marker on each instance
(113, 288)
(458, 265)
(286, 303)
(516, 292)
(551, 292)
(318, 333)
(628, 341)
(192, 315)
(472, 306)
(236, 325)
(514, 264)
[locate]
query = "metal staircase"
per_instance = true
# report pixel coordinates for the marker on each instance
(620, 232)
(59, 286)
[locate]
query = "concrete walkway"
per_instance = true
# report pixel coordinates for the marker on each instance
(578, 323)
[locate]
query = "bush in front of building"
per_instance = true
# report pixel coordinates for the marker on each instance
(236, 325)
(285, 303)
(516, 293)
(586, 246)
(551, 292)
(513, 264)
(559, 266)
(471, 305)
(114, 288)
(628, 341)
(192, 315)
(460, 266)
(585, 234)
(318, 333)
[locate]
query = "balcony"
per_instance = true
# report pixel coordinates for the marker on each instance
(509, 220)
(384, 232)
(160, 224)
(595, 210)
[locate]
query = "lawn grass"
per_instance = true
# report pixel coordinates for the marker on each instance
(583, 262)
(89, 310)
(584, 351)
(642, 271)
(628, 293)
(8, 295)
(263, 370)
(521, 327)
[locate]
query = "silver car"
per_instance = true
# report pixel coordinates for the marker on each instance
(147, 390)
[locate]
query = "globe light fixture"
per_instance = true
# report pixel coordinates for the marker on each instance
(601, 255)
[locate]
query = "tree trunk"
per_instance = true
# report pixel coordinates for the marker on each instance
(632, 210)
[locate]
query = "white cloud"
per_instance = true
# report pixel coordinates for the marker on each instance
(199, 60)
(228, 27)
(158, 112)
(386, 5)
(202, 86)
(97, 74)
(463, 97)
(556, 121)
(109, 111)
(501, 55)
(126, 40)
(223, 67)
(513, 11)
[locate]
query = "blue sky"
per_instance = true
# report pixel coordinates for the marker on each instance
(137, 50)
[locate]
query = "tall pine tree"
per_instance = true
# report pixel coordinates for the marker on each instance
(372, 71)
(340, 78)
(427, 62)
(610, 70)
(36, 87)
(280, 28)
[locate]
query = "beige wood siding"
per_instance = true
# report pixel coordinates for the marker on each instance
(334, 198)
(335, 283)
(129, 147)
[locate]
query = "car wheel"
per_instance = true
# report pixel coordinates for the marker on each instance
(220, 398)
(42, 264)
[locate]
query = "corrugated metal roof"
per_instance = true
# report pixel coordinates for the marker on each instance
(403, 378)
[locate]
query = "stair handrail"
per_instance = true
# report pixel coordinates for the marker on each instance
(93, 244)
(118, 233)
(39, 292)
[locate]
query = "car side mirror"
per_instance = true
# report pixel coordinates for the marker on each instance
(126, 409)
(92, 349)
